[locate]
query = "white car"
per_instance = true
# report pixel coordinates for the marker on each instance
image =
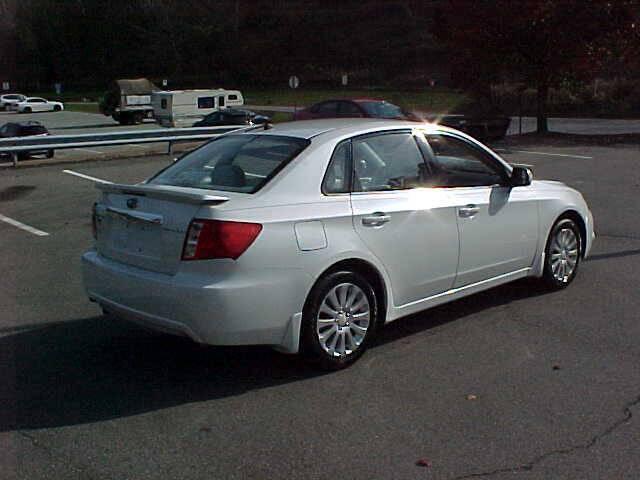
(37, 104)
(7, 101)
(308, 236)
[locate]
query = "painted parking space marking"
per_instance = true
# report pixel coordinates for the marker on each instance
(23, 226)
(86, 177)
(542, 153)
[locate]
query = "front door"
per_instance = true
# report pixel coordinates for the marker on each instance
(411, 229)
(498, 224)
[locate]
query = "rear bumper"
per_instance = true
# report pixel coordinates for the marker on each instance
(256, 307)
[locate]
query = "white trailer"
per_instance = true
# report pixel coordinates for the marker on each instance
(182, 108)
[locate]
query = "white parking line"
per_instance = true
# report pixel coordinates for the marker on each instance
(89, 150)
(541, 153)
(23, 226)
(86, 177)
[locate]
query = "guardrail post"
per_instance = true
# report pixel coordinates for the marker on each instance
(170, 148)
(14, 159)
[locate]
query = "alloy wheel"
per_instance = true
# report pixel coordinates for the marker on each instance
(343, 319)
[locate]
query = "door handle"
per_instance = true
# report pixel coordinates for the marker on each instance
(468, 211)
(375, 219)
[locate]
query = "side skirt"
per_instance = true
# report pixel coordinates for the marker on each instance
(456, 293)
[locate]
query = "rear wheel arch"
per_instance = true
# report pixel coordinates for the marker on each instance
(370, 273)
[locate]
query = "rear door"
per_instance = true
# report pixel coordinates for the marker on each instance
(411, 229)
(498, 224)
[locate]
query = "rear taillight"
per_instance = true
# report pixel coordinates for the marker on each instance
(208, 239)
(94, 222)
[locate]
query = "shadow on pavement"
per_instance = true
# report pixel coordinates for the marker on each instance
(605, 256)
(101, 368)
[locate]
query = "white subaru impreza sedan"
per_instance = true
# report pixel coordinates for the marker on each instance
(308, 236)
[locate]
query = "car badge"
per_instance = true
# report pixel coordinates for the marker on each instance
(132, 203)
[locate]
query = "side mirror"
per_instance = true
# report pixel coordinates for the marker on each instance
(521, 176)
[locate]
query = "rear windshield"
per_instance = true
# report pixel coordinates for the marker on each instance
(234, 163)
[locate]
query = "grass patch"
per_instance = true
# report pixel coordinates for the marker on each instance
(82, 107)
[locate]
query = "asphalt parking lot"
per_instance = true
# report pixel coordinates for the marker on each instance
(511, 383)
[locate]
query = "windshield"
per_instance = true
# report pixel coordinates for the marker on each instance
(382, 109)
(235, 163)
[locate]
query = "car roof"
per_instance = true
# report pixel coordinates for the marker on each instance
(308, 129)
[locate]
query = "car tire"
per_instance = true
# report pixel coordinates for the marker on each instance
(138, 118)
(339, 320)
(49, 153)
(562, 254)
(27, 110)
(57, 108)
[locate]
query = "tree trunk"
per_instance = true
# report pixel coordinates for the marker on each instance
(543, 93)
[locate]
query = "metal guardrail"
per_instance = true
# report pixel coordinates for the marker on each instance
(13, 146)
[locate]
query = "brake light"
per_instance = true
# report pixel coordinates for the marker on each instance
(207, 239)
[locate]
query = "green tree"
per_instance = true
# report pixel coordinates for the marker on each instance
(541, 42)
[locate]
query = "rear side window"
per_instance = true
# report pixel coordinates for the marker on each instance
(336, 180)
(235, 163)
(206, 102)
(390, 161)
(327, 108)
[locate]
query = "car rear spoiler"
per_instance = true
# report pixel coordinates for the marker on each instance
(163, 192)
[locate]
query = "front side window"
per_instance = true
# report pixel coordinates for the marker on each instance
(387, 162)
(456, 163)
(349, 109)
(206, 102)
(382, 109)
(235, 163)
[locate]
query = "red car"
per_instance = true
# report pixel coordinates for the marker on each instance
(353, 108)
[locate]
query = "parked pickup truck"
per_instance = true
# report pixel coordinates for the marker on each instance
(128, 101)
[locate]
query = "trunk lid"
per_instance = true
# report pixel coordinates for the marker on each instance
(145, 225)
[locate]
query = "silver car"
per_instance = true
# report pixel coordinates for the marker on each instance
(311, 235)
